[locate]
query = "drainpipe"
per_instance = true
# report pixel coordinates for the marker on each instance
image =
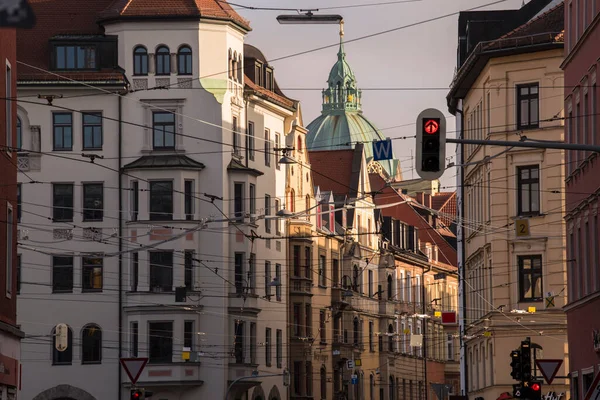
(461, 265)
(120, 145)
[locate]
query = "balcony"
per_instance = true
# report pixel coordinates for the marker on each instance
(250, 303)
(340, 297)
(387, 308)
(301, 286)
(364, 304)
(174, 374)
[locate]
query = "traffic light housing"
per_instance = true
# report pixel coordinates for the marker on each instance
(526, 360)
(137, 394)
(515, 363)
(431, 144)
(534, 391)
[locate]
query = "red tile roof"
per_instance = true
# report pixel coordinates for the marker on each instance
(332, 170)
(261, 91)
(218, 9)
(58, 17)
(440, 199)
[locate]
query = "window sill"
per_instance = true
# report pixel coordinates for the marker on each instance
(92, 220)
(62, 291)
(91, 362)
(91, 290)
(92, 149)
(65, 149)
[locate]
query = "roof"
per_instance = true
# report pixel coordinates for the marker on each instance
(332, 170)
(166, 161)
(54, 18)
(236, 165)
(541, 33)
(268, 95)
(144, 9)
(438, 201)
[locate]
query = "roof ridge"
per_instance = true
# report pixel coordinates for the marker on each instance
(125, 8)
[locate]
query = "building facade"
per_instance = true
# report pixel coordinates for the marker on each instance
(159, 185)
(514, 279)
(582, 37)
(10, 332)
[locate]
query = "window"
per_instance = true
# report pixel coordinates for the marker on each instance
(188, 334)
(267, 148)
(322, 270)
(309, 378)
(135, 271)
(279, 348)
(134, 332)
(91, 274)
(18, 273)
(163, 128)
(268, 348)
(251, 141)
(278, 276)
(189, 199)
(528, 186)
(323, 383)
(140, 61)
(237, 140)
(163, 61)
(356, 331)
(184, 61)
(296, 261)
(594, 113)
(238, 341)
(62, 124)
(238, 201)
(91, 344)
(63, 357)
(277, 145)
(575, 387)
(587, 380)
(450, 347)
(189, 269)
(268, 279)
(161, 200)
(390, 338)
(308, 319)
(527, 106)
(62, 274)
(371, 338)
(74, 57)
(530, 278)
(135, 200)
(322, 326)
(297, 375)
(160, 342)
(239, 273)
(370, 282)
(8, 102)
(19, 134)
(93, 201)
(307, 263)
(297, 320)
(335, 266)
(269, 79)
(252, 273)
(161, 271)
(9, 250)
(277, 221)
(258, 73)
(92, 131)
(267, 213)
(252, 342)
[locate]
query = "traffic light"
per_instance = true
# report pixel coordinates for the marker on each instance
(515, 363)
(535, 391)
(431, 144)
(137, 394)
(526, 360)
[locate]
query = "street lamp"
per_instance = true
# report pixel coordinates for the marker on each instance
(309, 18)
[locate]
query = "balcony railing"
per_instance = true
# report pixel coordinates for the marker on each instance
(364, 304)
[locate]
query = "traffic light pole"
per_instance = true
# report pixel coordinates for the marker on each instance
(525, 143)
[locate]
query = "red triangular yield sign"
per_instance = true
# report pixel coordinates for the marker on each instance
(134, 367)
(549, 368)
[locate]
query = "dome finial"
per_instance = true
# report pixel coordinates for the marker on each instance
(341, 53)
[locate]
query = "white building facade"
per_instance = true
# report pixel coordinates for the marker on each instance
(151, 230)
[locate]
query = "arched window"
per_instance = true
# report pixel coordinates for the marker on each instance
(184, 60)
(140, 61)
(307, 206)
(230, 65)
(91, 344)
(163, 61)
(356, 330)
(19, 134)
(63, 357)
(390, 293)
(392, 388)
(391, 338)
(234, 67)
(292, 201)
(323, 383)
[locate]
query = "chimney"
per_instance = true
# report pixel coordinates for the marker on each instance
(426, 200)
(419, 197)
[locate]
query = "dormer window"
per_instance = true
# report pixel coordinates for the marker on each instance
(269, 79)
(258, 73)
(74, 57)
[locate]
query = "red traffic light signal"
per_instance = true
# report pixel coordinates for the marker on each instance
(536, 387)
(136, 394)
(431, 126)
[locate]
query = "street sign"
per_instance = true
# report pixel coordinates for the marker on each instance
(61, 335)
(522, 228)
(550, 302)
(354, 379)
(16, 14)
(134, 367)
(449, 317)
(549, 368)
(350, 364)
(358, 362)
(593, 392)
(382, 150)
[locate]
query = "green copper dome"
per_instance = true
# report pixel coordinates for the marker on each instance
(342, 124)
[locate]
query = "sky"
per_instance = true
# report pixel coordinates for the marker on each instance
(422, 56)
